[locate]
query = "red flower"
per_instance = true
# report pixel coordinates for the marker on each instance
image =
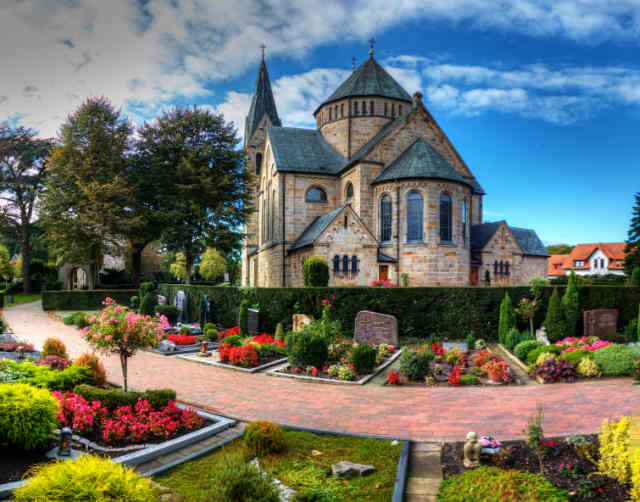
(297, 370)
(182, 339)
(393, 378)
(325, 368)
(437, 349)
(315, 372)
(454, 376)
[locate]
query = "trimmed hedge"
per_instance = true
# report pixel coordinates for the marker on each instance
(451, 312)
(84, 300)
(114, 398)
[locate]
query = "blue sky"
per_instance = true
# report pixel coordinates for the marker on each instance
(540, 97)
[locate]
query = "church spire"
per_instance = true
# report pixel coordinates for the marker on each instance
(262, 102)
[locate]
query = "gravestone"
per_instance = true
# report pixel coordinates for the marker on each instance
(254, 320)
(300, 321)
(162, 300)
(375, 328)
(600, 323)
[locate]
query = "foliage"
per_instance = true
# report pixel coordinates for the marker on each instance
(83, 300)
(7, 270)
(554, 321)
(236, 480)
(211, 334)
(178, 268)
(346, 372)
(279, 335)
(543, 358)
(491, 483)
(243, 318)
(571, 305)
(115, 398)
(213, 265)
(231, 340)
(88, 478)
(512, 339)
(27, 416)
(414, 364)
(507, 319)
(96, 369)
(616, 360)
(245, 355)
(54, 362)
(632, 247)
(470, 340)
(363, 358)
(149, 303)
(634, 467)
(487, 278)
(535, 434)
(556, 370)
(560, 249)
(469, 380)
(523, 348)
(575, 356)
(527, 308)
(117, 331)
(307, 349)
(169, 311)
(264, 438)
(54, 347)
(43, 376)
(497, 370)
(533, 355)
(147, 287)
(615, 442)
(588, 368)
(634, 280)
(315, 272)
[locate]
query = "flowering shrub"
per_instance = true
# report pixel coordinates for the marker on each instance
(16, 347)
(483, 357)
(116, 330)
(393, 378)
(497, 371)
(590, 343)
(437, 349)
(383, 284)
(615, 449)
(235, 331)
(556, 370)
(77, 413)
(549, 448)
(54, 362)
(488, 442)
(245, 356)
(182, 339)
(265, 339)
(454, 376)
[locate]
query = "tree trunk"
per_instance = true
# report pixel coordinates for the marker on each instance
(188, 262)
(531, 327)
(123, 363)
(136, 264)
(26, 260)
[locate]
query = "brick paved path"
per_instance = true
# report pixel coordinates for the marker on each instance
(416, 413)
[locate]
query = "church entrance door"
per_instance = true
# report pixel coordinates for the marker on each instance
(383, 272)
(474, 276)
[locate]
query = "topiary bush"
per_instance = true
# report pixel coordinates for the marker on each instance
(263, 438)
(523, 348)
(616, 360)
(243, 318)
(507, 319)
(54, 347)
(490, 483)
(28, 416)
(211, 334)
(315, 272)
(114, 398)
(148, 304)
(415, 364)
(554, 321)
(96, 369)
(363, 358)
(307, 349)
(236, 480)
(86, 478)
(279, 335)
(169, 311)
(147, 287)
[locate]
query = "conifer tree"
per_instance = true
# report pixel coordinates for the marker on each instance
(571, 305)
(632, 248)
(554, 321)
(638, 323)
(507, 319)
(487, 278)
(635, 276)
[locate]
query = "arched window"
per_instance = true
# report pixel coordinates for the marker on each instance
(346, 222)
(370, 107)
(463, 221)
(385, 218)
(355, 108)
(258, 162)
(336, 264)
(386, 109)
(349, 191)
(414, 216)
(445, 218)
(345, 264)
(273, 214)
(316, 194)
(354, 264)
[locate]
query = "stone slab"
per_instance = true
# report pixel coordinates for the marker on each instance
(601, 322)
(372, 327)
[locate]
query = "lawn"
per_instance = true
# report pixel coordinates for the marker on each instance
(21, 299)
(299, 468)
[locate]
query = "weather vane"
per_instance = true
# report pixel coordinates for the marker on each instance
(372, 42)
(263, 47)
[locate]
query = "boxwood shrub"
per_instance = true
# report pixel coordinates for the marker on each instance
(307, 349)
(43, 376)
(523, 348)
(114, 398)
(263, 438)
(415, 364)
(616, 360)
(27, 416)
(363, 358)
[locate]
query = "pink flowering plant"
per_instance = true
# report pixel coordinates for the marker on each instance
(527, 310)
(590, 343)
(383, 284)
(115, 330)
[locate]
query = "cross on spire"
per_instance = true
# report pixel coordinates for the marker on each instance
(372, 42)
(353, 63)
(263, 47)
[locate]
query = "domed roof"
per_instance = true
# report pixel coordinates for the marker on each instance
(370, 79)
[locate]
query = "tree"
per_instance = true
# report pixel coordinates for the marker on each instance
(560, 249)
(178, 268)
(571, 305)
(22, 169)
(199, 178)
(487, 277)
(554, 321)
(7, 270)
(632, 247)
(315, 272)
(86, 205)
(635, 277)
(212, 264)
(507, 319)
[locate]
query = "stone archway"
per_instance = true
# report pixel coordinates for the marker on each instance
(78, 278)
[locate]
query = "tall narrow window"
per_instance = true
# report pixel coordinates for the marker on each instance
(506, 268)
(445, 218)
(349, 191)
(336, 264)
(354, 264)
(258, 162)
(273, 214)
(342, 110)
(393, 109)
(335, 115)
(364, 108)
(386, 109)
(399, 109)
(495, 267)
(385, 218)
(463, 221)
(370, 107)
(329, 113)
(355, 108)
(345, 264)
(414, 216)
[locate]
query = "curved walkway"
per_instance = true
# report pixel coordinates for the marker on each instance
(416, 413)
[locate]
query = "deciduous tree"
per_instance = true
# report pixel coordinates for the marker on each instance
(212, 264)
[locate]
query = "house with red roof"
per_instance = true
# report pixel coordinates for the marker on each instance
(601, 258)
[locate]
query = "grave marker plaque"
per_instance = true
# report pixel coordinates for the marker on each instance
(601, 323)
(300, 321)
(372, 327)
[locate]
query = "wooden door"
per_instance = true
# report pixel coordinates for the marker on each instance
(383, 272)
(474, 276)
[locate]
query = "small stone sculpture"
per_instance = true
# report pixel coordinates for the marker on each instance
(472, 451)
(541, 336)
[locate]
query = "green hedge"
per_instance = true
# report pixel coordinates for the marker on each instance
(451, 312)
(84, 300)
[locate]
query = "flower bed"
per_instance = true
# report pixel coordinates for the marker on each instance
(254, 352)
(182, 339)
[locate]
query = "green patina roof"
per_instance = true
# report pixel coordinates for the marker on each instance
(303, 151)
(527, 239)
(262, 102)
(313, 231)
(420, 161)
(370, 79)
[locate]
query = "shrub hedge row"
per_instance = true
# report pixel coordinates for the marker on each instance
(84, 300)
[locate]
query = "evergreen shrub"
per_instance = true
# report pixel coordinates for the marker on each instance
(134, 302)
(243, 318)
(149, 303)
(315, 272)
(169, 311)
(307, 349)
(363, 358)
(54, 347)
(84, 300)
(554, 321)
(114, 398)
(616, 360)
(263, 438)
(415, 364)
(96, 369)
(236, 480)
(523, 348)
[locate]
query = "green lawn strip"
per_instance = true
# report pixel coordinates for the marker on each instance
(22, 299)
(299, 469)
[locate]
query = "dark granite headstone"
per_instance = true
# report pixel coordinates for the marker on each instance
(254, 320)
(375, 328)
(601, 323)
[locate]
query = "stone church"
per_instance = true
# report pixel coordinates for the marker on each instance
(377, 189)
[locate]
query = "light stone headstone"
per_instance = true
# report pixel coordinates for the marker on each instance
(300, 321)
(375, 328)
(162, 300)
(167, 346)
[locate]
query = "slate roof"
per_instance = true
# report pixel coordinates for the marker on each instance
(369, 145)
(262, 102)
(303, 151)
(313, 231)
(383, 258)
(370, 79)
(527, 239)
(420, 161)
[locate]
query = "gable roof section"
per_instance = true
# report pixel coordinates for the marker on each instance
(614, 251)
(557, 263)
(527, 239)
(313, 231)
(370, 79)
(420, 161)
(303, 151)
(481, 234)
(262, 102)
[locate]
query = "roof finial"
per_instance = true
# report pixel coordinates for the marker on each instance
(372, 42)
(263, 47)
(353, 63)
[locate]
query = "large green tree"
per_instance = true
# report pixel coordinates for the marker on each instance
(22, 169)
(633, 239)
(87, 202)
(213, 265)
(199, 179)
(559, 249)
